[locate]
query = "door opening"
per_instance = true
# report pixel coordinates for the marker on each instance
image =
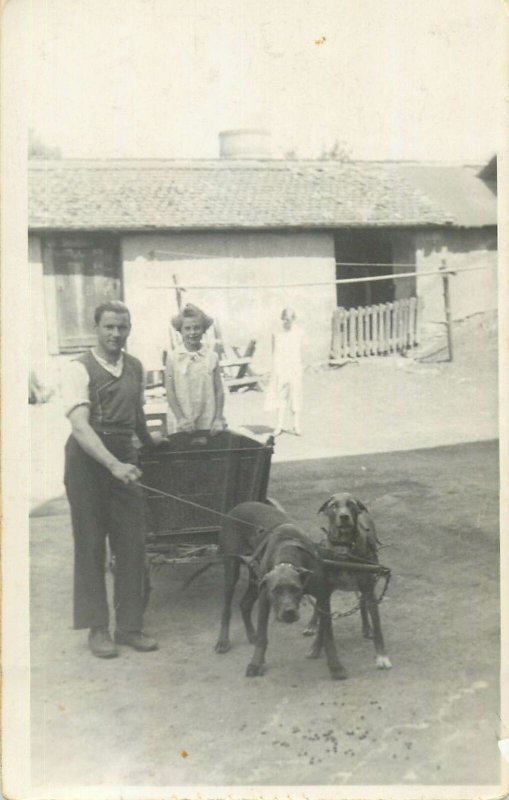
(355, 253)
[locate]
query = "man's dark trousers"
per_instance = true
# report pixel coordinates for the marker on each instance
(101, 506)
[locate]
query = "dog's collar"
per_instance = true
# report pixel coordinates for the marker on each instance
(284, 564)
(276, 569)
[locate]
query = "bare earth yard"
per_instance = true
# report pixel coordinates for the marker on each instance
(418, 444)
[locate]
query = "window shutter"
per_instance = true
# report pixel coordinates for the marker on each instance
(85, 276)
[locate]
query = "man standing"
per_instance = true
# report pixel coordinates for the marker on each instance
(103, 396)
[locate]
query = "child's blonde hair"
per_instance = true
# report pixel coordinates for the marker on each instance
(188, 312)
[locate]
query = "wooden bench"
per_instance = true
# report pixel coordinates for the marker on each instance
(235, 366)
(236, 370)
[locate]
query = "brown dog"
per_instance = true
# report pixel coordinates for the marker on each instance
(351, 535)
(283, 566)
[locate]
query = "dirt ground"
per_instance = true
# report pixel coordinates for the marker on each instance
(432, 719)
(186, 716)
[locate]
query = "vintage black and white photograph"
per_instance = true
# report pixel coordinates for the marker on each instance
(262, 362)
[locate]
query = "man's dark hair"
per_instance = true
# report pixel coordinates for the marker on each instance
(117, 306)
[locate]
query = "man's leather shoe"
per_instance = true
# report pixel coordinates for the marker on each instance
(101, 644)
(137, 640)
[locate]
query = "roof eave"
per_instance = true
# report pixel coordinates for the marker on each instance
(325, 226)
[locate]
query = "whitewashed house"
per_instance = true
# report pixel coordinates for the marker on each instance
(244, 229)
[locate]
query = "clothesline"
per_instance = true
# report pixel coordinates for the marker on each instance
(175, 255)
(337, 282)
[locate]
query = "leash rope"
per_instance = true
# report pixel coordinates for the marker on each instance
(196, 505)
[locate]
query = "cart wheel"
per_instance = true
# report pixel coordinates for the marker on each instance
(274, 503)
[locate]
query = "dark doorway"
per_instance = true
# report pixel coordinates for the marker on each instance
(354, 249)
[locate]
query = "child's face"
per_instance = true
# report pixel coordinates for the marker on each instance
(287, 321)
(192, 332)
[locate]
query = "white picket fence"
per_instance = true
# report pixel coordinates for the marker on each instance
(375, 330)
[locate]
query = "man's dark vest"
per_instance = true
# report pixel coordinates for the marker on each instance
(114, 402)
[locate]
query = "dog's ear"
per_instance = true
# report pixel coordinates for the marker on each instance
(360, 505)
(367, 540)
(304, 575)
(323, 508)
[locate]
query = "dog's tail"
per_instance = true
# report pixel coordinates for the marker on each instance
(200, 571)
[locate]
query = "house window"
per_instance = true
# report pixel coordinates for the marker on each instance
(356, 254)
(86, 273)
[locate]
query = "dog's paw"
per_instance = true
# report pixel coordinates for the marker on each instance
(383, 662)
(254, 670)
(310, 631)
(338, 673)
(222, 646)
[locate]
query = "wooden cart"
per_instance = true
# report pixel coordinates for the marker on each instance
(194, 479)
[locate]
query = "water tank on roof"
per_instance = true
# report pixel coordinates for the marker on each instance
(244, 143)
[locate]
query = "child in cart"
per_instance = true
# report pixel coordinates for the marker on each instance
(193, 380)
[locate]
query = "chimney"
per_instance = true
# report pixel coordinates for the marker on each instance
(244, 143)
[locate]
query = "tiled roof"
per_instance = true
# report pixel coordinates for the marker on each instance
(464, 191)
(148, 195)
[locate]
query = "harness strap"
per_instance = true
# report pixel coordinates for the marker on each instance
(357, 566)
(253, 561)
(262, 545)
